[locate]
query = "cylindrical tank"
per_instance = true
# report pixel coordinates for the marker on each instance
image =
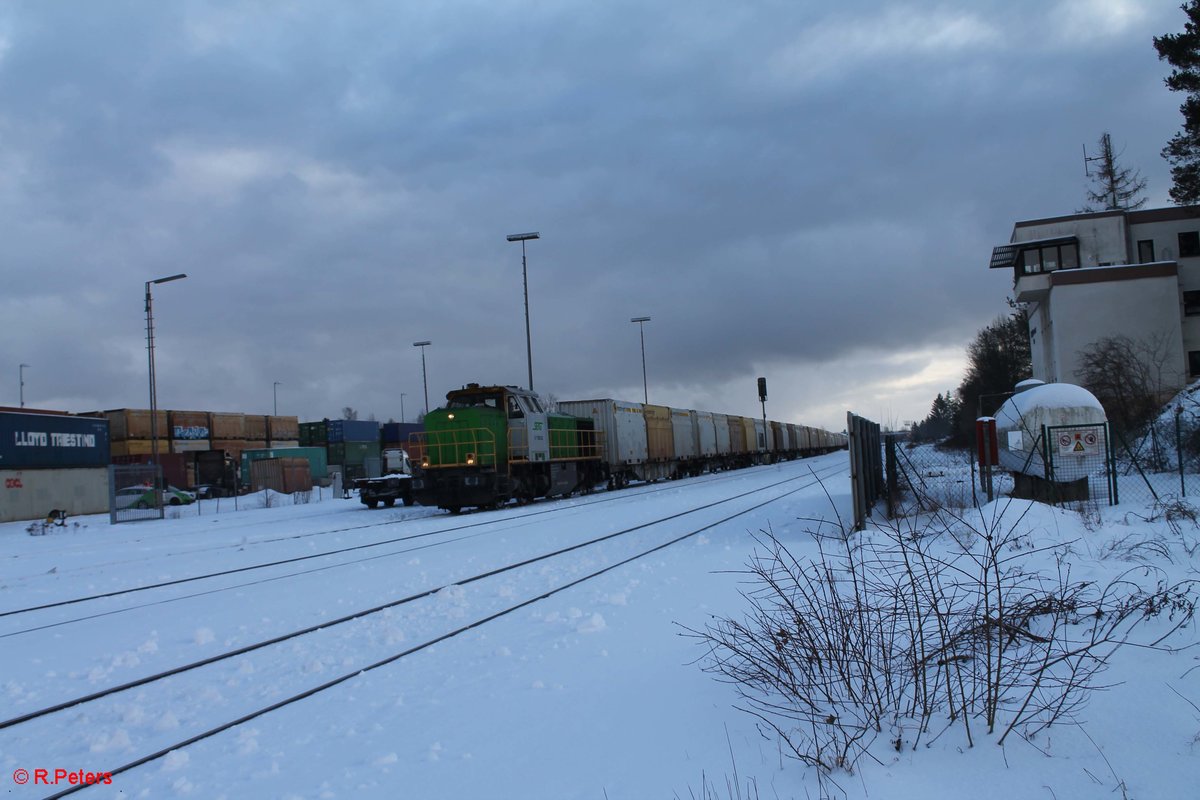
(1022, 418)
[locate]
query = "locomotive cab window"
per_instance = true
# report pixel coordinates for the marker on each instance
(514, 408)
(476, 401)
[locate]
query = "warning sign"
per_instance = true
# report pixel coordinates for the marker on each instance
(1078, 443)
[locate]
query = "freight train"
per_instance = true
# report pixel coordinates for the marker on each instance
(492, 444)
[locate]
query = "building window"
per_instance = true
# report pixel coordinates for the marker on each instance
(1191, 303)
(1189, 244)
(1049, 258)
(1145, 251)
(1193, 363)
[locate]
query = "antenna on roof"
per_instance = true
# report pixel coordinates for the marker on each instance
(1087, 160)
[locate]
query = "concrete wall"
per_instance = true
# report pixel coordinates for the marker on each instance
(1102, 239)
(33, 493)
(1084, 313)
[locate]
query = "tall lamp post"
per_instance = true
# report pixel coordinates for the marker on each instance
(275, 395)
(641, 321)
(402, 396)
(523, 238)
(424, 378)
(153, 386)
(21, 370)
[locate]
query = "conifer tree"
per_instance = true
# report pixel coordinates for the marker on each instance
(1182, 51)
(1114, 187)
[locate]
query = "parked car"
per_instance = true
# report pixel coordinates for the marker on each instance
(143, 497)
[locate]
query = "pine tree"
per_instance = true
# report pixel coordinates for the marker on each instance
(1182, 51)
(1116, 187)
(997, 359)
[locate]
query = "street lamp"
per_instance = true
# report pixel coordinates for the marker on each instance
(424, 378)
(275, 394)
(21, 370)
(402, 396)
(523, 238)
(642, 330)
(153, 387)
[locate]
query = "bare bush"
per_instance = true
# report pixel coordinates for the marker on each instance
(896, 637)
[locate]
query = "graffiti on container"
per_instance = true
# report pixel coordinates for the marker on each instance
(13, 483)
(190, 432)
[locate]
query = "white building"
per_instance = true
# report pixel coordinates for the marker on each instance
(1089, 276)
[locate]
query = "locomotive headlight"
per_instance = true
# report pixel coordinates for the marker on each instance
(450, 415)
(470, 459)
(425, 462)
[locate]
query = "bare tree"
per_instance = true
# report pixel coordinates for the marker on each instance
(1128, 377)
(349, 413)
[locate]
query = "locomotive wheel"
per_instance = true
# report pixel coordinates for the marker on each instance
(389, 502)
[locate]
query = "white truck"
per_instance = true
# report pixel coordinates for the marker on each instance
(393, 485)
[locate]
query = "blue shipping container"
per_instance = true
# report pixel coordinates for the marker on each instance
(353, 430)
(30, 441)
(397, 432)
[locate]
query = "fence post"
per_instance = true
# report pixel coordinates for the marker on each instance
(1179, 451)
(892, 483)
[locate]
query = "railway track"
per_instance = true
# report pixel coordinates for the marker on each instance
(727, 509)
(540, 511)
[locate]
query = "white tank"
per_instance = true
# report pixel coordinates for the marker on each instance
(1020, 420)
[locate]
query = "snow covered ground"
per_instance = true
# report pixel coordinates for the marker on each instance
(590, 692)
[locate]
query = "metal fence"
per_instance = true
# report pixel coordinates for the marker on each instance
(866, 467)
(1162, 463)
(134, 492)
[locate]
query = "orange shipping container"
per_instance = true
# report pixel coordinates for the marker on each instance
(283, 429)
(233, 447)
(130, 423)
(228, 426)
(660, 440)
(256, 427)
(134, 447)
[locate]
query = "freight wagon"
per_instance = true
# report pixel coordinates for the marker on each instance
(491, 444)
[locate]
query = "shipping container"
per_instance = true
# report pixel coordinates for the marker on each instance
(623, 425)
(281, 429)
(352, 454)
(754, 434)
(660, 441)
(284, 475)
(353, 430)
(778, 438)
(721, 429)
(228, 426)
(316, 456)
(130, 423)
(188, 445)
(397, 433)
(34, 493)
(256, 427)
(683, 433)
(137, 447)
(187, 425)
(52, 441)
(281, 443)
(705, 433)
(314, 434)
(737, 435)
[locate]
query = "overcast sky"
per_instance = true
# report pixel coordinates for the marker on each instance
(808, 191)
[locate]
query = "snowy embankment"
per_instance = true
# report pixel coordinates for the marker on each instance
(591, 692)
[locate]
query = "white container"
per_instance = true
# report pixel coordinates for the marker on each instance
(721, 427)
(623, 424)
(705, 433)
(684, 433)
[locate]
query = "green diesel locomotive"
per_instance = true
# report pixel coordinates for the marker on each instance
(492, 444)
